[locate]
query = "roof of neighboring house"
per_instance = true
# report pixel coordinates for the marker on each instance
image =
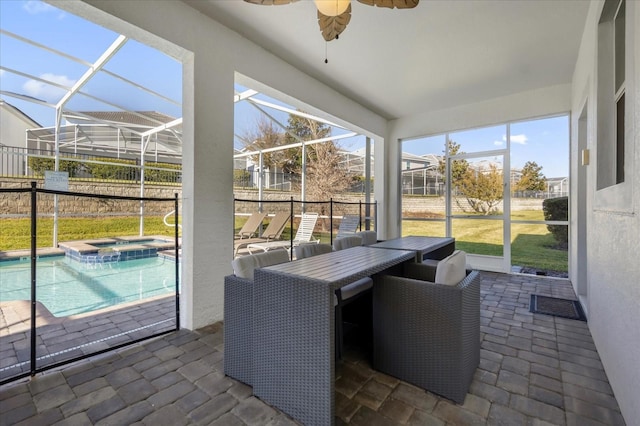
(149, 119)
(17, 111)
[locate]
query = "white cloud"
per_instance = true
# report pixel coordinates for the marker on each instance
(498, 143)
(34, 7)
(47, 92)
(2, 73)
(520, 139)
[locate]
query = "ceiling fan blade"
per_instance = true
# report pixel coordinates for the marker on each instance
(391, 4)
(332, 26)
(270, 2)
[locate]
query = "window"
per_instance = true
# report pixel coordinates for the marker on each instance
(619, 61)
(611, 94)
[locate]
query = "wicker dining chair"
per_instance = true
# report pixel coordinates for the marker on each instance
(238, 313)
(425, 333)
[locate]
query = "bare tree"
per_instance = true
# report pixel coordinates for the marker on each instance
(325, 175)
(266, 135)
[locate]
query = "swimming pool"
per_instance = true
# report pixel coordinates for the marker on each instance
(124, 244)
(67, 287)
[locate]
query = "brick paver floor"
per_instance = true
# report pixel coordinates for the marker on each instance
(534, 370)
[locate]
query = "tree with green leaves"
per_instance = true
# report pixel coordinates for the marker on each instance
(531, 178)
(459, 168)
(482, 188)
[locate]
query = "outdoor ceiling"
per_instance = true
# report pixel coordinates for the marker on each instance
(438, 55)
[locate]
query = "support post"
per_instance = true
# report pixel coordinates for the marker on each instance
(34, 216)
(177, 253)
(331, 220)
(367, 184)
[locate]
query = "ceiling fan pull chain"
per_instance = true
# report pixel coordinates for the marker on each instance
(326, 61)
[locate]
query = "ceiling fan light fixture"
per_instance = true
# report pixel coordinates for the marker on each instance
(332, 7)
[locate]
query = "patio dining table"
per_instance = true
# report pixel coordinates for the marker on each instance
(424, 247)
(294, 328)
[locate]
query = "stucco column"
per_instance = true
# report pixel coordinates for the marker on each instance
(207, 189)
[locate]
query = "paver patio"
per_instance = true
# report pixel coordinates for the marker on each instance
(534, 370)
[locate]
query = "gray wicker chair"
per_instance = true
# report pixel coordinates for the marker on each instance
(427, 334)
(368, 237)
(238, 313)
(308, 250)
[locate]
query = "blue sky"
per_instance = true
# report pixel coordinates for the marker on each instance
(86, 41)
(543, 141)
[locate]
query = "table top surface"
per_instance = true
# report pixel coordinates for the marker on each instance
(414, 242)
(343, 265)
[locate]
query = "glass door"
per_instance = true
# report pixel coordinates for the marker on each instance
(456, 184)
(476, 207)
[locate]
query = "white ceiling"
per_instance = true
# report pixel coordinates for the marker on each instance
(438, 55)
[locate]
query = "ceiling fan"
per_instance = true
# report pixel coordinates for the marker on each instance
(334, 15)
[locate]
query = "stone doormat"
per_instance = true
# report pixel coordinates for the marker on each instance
(564, 308)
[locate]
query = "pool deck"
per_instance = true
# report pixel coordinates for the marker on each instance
(93, 245)
(534, 370)
(62, 338)
(19, 254)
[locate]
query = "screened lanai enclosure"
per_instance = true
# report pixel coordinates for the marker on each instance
(118, 119)
(91, 167)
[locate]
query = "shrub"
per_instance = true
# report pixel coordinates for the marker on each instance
(241, 177)
(112, 171)
(40, 165)
(557, 209)
(154, 175)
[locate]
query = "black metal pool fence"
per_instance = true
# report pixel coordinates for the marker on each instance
(330, 210)
(130, 336)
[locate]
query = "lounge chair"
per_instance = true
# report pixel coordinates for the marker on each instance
(271, 232)
(251, 226)
(348, 225)
(304, 235)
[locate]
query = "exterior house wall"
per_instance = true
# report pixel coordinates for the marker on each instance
(612, 289)
(13, 125)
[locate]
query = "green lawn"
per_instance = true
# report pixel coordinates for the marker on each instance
(532, 246)
(15, 234)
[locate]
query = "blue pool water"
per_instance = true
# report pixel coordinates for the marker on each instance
(68, 287)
